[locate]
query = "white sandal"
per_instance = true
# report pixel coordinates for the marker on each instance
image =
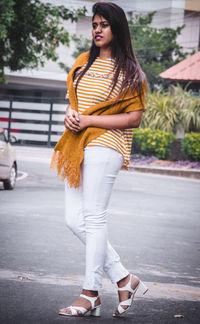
(128, 302)
(94, 310)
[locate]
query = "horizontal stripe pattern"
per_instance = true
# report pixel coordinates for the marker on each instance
(94, 87)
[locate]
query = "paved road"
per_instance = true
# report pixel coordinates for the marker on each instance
(153, 223)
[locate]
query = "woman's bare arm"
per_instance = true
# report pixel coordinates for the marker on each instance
(75, 122)
(118, 121)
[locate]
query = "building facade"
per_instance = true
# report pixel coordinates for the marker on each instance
(50, 80)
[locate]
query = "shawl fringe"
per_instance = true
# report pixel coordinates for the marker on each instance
(66, 169)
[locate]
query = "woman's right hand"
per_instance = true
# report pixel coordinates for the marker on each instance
(71, 120)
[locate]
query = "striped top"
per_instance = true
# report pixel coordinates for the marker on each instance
(93, 88)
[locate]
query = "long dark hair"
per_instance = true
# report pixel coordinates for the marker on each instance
(121, 50)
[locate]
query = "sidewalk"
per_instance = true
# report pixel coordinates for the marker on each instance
(153, 165)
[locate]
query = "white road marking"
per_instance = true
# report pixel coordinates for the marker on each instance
(22, 176)
(34, 159)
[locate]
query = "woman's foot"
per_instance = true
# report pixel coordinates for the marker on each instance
(125, 294)
(82, 302)
(127, 287)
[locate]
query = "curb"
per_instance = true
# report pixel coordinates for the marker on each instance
(193, 174)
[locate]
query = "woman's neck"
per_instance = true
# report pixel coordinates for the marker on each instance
(105, 53)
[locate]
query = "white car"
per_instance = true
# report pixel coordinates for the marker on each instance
(8, 163)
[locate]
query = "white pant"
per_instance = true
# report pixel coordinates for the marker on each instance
(86, 214)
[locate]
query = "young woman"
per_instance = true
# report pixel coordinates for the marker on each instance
(106, 90)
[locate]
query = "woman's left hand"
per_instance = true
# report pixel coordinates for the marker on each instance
(83, 122)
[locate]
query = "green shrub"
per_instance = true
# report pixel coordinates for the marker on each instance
(166, 111)
(190, 145)
(153, 142)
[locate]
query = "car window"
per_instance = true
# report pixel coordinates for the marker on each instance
(2, 137)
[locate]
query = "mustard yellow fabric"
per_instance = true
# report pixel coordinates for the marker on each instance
(68, 152)
(93, 88)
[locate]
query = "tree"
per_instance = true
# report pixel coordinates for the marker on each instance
(82, 45)
(156, 49)
(30, 31)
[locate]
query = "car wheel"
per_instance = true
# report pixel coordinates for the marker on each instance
(9, 184)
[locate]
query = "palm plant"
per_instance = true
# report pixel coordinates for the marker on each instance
(171, 112)
(161, 112)
(189, 107)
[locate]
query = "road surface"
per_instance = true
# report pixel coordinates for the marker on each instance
(154, 225)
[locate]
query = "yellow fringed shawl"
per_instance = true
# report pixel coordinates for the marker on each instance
(68, 152)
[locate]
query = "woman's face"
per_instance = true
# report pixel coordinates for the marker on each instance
(101, 32)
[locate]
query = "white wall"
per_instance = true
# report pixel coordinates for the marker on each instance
(190, 35)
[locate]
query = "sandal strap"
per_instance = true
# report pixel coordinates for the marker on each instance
(126, 302)
(121, 310)
(91, 299)
(128, 286)
(74, 309)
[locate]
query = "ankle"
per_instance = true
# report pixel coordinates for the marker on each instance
(90, 293)
(123, 281)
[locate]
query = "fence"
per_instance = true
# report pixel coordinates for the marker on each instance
(31, 122)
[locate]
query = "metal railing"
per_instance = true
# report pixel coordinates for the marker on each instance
(33, 122)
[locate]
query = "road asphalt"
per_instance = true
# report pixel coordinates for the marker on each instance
(153, 224)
